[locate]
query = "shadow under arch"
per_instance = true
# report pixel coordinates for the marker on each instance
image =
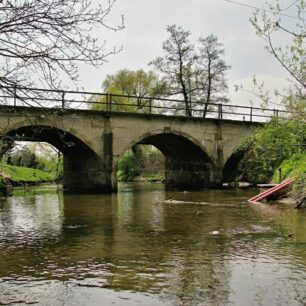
(231, 170)
(187, 165)
(84, 170)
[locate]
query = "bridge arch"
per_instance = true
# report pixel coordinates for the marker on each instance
(84, 169)
(230, 170)
(187, 163)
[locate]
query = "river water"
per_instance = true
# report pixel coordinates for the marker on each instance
(146, 246)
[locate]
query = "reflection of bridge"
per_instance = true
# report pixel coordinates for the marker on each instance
(198, 151)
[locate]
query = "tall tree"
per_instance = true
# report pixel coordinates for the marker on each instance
(212, 70)
(177, 63)
(194, 72)
(42, 39)
(137, 84)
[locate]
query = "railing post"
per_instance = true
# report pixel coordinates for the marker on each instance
(63, 100)
(251, 114)
(15, 95)
(107, 101)
(110, 102)
(150, 106)
(220, 115)
(275, 113)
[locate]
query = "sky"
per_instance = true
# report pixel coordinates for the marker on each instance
(145, 30)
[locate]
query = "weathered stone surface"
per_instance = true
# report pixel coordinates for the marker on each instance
(92, 142)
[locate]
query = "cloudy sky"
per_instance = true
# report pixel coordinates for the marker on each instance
(145, 29)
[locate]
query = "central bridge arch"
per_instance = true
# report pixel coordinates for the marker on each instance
(187, 164)
(84, 169)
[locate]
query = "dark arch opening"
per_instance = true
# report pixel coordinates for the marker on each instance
(84, 170)
(187, 166)
(231, 171)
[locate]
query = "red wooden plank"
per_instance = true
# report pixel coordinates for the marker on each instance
(271, 191)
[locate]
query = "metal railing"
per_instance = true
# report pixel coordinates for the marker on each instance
(83, 100)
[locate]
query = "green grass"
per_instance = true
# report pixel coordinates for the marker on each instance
(294, 167)
(25, 175)
(153, 177)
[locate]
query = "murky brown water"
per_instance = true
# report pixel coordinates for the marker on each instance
(138, 247)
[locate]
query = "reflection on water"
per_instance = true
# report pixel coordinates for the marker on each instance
(150, 247)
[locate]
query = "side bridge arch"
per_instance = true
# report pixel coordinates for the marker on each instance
(84, 169)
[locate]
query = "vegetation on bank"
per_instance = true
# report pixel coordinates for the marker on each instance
(276, 152)
(294, 167)
(270, 145)
(21, 175)
(144, 163)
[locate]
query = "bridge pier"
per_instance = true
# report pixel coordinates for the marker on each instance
(189, 174)
(86, 172)
(85, 175)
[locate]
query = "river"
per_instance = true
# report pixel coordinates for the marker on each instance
(146, 246)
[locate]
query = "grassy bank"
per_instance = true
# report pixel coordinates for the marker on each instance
(21, 175)
(294, 167)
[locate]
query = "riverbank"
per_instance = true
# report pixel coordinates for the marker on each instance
(294, 167)
(13, 176)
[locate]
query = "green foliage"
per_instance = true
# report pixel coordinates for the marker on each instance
(144, 161)
(127, 167)
(269, 147)
(2, 183)
(294, 167)
(153, 177)
(36, 156)
(24, 175)
(138, 83)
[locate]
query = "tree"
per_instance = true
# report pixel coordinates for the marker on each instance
(40, 156)
(176, 64)
(269, 147)
(292, 57)
(281, 139)
(44, 39)
(212, 69)
(194, 72)
(137, 84)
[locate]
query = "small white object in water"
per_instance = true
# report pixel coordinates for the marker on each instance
(215, 232)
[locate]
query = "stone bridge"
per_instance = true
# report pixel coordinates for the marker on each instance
(198, 152)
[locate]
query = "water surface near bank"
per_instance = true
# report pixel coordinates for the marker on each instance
(146, 246)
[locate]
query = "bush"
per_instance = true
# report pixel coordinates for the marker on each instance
(294, 167)
(127, 167)
(269, 147)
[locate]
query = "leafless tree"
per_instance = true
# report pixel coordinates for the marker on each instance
(176, 64)
(212, 85)
(291, 57)
(41, 40)
(194, 72)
